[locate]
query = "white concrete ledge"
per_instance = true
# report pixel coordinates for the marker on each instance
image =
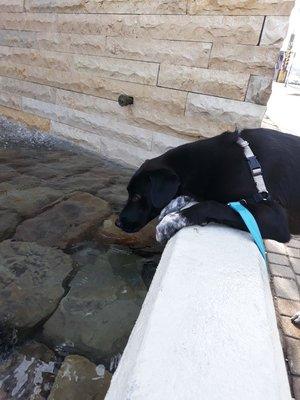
(207, 329)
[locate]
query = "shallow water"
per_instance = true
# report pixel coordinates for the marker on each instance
(69, 282)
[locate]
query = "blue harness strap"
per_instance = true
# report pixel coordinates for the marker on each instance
(251, 224)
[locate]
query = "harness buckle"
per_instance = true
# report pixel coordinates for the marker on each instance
(254, 164)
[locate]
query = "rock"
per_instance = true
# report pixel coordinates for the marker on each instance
(98, 314)
(171, 52)
(87, 182)
(28, 373)
(7, 173)
(148, 272)
(259, 89)
(80, 379)
(32, 121)
(275, 30)
(28, 202)
(240, 7)
(232, 85)
(224, 111)
(8, 223)
(19, 182)
(116, 195)
(31, 279)
(257, 60)
(109, 233)
(66, 223)
(107, 6)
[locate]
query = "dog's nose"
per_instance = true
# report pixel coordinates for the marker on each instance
(118, 223)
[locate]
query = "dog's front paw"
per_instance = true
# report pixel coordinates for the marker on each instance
(176, 205)
(296, 319)
(169, 225)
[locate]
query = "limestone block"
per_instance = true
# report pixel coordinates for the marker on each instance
(239, 58)
(82, 44)
(157, 119)
(14, 38)
(107, 6)
(30, 120)
(35, 58)
(28, 22)
(229, 29)
(162, 142)
(172, 52)
(259, 89)
(236, 113)
(213, 82)
(125, 70)
(241, 7)
(10, 100)
(98, 124)
(104, 145)
(275, 30)
(160, 120)
(27, 89)
(151, 98)
(11, 5)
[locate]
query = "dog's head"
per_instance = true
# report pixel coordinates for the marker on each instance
(150, 189)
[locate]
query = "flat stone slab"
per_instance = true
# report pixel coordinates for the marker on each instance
(28, 202)
(31, 278)
(66, 223)
(8, 223)
(79, 379)
(97, 315)
(28, 373)
(109, 233)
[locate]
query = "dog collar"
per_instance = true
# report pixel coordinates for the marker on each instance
(256, 171)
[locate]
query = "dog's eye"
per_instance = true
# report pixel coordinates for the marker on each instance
(136, 197)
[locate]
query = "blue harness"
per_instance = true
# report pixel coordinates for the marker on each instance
(261, 195)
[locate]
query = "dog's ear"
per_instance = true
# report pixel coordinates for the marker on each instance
(164, 186)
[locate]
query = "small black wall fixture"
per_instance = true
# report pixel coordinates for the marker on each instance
(125, 100)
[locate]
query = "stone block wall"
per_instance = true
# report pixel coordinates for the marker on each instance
(194, 67)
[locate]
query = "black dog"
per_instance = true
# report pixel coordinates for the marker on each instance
(214, 172)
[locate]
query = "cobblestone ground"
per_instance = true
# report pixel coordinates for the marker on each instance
(284, 265)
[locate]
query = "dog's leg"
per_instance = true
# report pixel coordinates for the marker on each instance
(176, 205)
(296, 319)
(271, 219)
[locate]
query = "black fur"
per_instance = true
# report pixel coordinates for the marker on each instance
(215, 172)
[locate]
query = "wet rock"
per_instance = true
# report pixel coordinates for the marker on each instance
(28, 373)
(148, 272)
(109, 233)
(31, 278)
(7, 173)
(19, 182)
(8, 223)
(80, 379)
(116, 195)
(28, 202)
(87, 182)
(66, 223)
(98, 314)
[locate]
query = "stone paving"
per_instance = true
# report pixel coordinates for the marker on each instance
(284, 266)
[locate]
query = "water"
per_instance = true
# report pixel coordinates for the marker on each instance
(70, 286)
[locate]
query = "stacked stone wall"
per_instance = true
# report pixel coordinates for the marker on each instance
(194, 67)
